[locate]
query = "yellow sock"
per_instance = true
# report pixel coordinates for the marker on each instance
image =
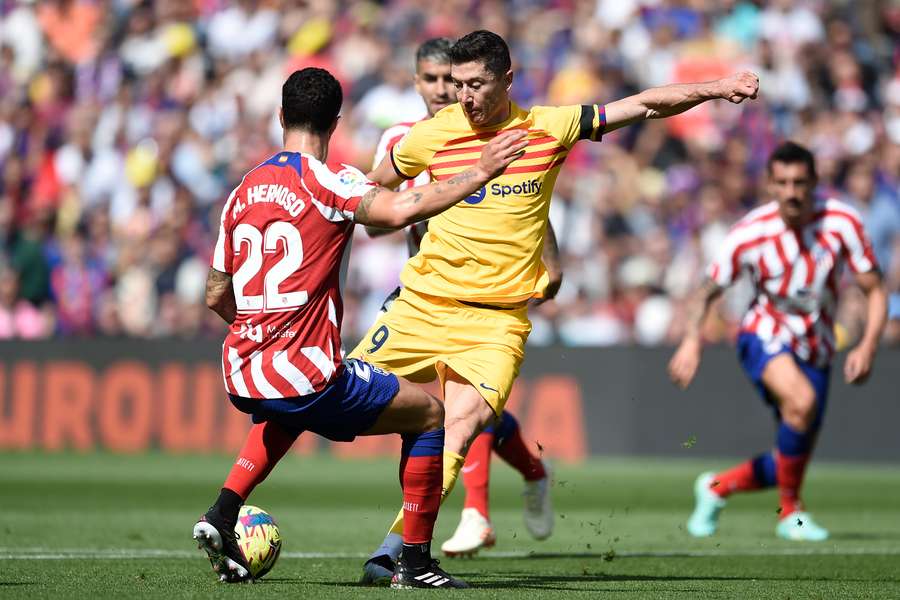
(453, 463)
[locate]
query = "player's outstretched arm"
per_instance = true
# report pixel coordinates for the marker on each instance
(384, 174)
(859, 361)
(686, 360)
(383, 208)
(220, 295)
(668, 100)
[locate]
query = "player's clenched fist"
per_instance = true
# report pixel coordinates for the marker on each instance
(683, 365)
(506, 147)
(859, 364)
(736, 88)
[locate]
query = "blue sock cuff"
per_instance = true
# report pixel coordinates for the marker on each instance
(391, 546)
(430, 443)
(505, 427)
(764, 469)
(792, 442)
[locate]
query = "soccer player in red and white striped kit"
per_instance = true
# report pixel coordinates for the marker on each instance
(274, 279)
(794, 248)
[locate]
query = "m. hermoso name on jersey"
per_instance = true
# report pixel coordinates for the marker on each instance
(279, 194)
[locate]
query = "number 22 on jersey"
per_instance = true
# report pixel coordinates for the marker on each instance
(273, 298)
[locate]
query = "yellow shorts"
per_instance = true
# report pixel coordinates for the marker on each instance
(420, 335)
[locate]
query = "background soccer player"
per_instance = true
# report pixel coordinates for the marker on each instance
(462, 313)
(274, 279)
(434, 84)
(794, 248)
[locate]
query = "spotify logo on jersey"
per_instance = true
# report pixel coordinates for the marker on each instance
(476, 197)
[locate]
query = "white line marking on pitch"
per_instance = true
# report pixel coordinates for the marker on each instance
(138, 553)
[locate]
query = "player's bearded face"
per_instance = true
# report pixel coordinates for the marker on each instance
(434, 84)
(483, 96)
(792, 186)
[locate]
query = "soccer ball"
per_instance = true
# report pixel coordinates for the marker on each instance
(258, 538)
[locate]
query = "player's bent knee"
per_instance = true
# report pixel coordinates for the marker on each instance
(433, 415)
(799, 411)
(461, 431)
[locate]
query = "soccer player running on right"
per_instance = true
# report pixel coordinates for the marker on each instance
(794, 248)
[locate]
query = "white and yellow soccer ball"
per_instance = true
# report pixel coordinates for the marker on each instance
(258, 538)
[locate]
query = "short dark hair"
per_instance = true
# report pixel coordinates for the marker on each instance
(792, 153)
(311, 99)
(436, 50)
(485, 47)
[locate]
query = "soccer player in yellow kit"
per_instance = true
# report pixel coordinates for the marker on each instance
(504, 438)
(462, 313)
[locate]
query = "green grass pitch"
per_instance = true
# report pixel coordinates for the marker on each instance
(103, 526)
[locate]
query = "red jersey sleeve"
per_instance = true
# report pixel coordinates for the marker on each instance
(337, 192)
(726, 266)
(223, 252)
(856, 242)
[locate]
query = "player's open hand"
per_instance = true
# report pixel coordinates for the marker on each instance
(506, 147)
(684, 364)
(858, 365)
(740, 86)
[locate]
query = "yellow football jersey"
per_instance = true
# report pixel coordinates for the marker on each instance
(488, 247)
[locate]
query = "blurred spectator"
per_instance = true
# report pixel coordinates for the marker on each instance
(124, 124)
(19, 319)
(72, 28)
(74, 283)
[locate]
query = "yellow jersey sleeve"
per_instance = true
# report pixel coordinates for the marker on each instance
(569, 124)
(412, 155)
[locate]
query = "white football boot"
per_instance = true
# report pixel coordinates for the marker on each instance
(473, 533)
(538, 514)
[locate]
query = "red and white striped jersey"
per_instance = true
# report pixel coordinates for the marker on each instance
(796, 274)
(283, 234)
(390, 137)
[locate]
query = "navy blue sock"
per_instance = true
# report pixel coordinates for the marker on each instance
(791, 442)
(764, 470)
(504, 428)
(430, 443)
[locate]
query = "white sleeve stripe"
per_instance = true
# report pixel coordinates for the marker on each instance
(332, 312)
(329, 212)
(259, 379)
(854, 245)
(237, 380)
(218, 262)
(330, 182)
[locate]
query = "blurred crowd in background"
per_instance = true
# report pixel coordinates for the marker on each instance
(124, 124)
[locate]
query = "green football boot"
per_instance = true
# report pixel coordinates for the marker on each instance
(708, 504)
(800, 527)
